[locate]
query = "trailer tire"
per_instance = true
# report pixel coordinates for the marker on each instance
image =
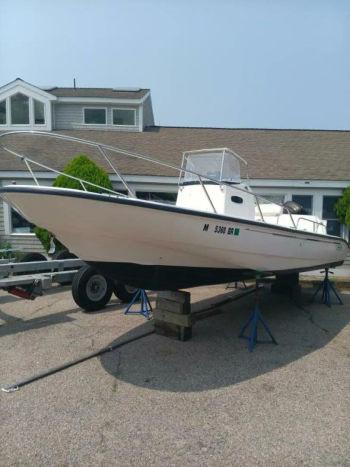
(124, 292)
(91, 290)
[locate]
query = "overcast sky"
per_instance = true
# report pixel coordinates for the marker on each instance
(223, 63)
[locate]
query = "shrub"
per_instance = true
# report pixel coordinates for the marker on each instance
(81, 167)
(342, 207)
(5, 245)
(44, 236)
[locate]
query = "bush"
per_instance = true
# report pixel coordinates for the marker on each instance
(81, 167)
(44, 236)
(5, 245)
(342, 208)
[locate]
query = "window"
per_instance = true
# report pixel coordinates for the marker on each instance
(333, 225)
(279, 199)
(3, 113)
(305, 201)
(162, 197)
(39, 112)
(95, 116)
(19, 224)
(19, 109)
(124, 117)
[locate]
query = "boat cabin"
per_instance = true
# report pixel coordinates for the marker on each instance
(210, 181)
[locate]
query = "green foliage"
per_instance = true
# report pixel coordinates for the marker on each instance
(81, 167)
(5, 245)
(44, 236)
(342, 207)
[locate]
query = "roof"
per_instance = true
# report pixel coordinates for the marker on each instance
(113, 93)
(271, 154)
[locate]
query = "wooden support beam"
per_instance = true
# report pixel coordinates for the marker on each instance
(172, 315)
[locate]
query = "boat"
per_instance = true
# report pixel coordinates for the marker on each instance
(218, 231)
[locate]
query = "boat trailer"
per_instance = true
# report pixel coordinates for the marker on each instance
(28, 280)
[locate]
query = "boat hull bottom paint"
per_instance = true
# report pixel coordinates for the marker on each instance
(168, 277)
(175, 277)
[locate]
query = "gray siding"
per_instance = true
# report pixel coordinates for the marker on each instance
(148, 117)
(70, 116)
(21, 242)
(2, 222)
(25, 243)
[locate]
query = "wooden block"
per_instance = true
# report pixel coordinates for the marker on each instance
(178, 296)
(172, 330)
(173, 318)
(166, 329)
(175, 307)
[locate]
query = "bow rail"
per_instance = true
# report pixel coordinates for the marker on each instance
(103, 149)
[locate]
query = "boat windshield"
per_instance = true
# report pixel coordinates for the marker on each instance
(219, 164)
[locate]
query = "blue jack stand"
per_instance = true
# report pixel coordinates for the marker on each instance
(146, 308)
(327, 287)
(253, 321)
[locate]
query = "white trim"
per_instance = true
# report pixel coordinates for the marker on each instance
(95, 108)
(123, 108)
(29, 88)
(98, 100)
(299, 183)
(38, 125)
(145, 96)
(141, 110)
(47, 126)
(22, 234)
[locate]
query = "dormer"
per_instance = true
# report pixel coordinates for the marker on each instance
(25, 107)
(119, 109)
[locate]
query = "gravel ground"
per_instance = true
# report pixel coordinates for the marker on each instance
(157, 401)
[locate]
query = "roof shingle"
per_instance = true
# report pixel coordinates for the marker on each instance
(271, 154)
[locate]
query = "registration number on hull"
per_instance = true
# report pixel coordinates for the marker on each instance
(222, 229)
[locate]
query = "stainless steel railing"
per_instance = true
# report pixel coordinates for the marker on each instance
(315, 223)
(104, 148)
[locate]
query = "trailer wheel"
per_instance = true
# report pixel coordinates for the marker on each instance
(124, 292)
(91, 290)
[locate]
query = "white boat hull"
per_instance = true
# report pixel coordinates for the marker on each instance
(155, 246)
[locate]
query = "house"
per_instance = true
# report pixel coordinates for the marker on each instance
(311, 167)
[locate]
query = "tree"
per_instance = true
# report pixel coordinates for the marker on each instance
(342, 207)
(84, 168)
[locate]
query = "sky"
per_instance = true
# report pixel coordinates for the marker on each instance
(223, 63)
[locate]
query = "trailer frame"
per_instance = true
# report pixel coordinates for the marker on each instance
(29, 279)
